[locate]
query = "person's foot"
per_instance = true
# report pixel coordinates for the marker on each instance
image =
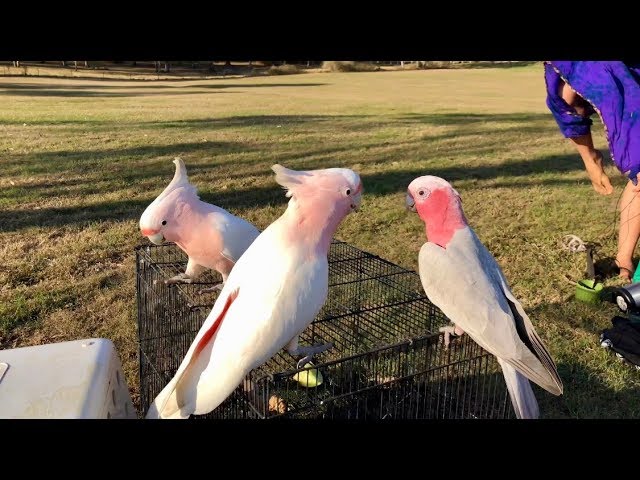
(626, 269)
(599, 178)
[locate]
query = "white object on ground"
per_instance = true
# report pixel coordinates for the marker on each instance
(77, 379)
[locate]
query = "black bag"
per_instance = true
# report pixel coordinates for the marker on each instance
(623, 338)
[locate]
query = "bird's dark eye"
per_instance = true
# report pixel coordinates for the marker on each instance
(348, 192)
(421, 192)
(164, 222)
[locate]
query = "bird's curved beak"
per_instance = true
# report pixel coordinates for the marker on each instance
(156, 238)
(410, 203)
(153, 235)
(356, 200)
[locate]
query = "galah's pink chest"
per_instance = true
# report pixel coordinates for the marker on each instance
(203, 244)
(441, 217)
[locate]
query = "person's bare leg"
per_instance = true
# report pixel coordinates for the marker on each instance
(592, 160)
(572, 98)
(591, 157)
(629, 230)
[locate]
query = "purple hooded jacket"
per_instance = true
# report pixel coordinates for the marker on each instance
(612, 89)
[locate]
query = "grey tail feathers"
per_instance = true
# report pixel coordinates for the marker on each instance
(522, 396)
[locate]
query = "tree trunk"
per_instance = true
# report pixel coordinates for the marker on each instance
(75, 65)
(86, 64)
(64, 63)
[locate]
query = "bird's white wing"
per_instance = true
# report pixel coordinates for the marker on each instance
(237, 234)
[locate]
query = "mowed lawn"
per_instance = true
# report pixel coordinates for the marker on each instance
(81, 159)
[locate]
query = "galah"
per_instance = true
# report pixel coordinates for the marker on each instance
(273, 293)
(209, 235)
(463, 279)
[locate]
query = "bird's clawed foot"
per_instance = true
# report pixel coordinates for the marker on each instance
(450, 331)
(181, 278)
(217, 286)
(309, 352)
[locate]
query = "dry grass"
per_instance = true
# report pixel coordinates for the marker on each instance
(81, 159)
(284, 70)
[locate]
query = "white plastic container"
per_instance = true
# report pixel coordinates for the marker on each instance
(78, 379)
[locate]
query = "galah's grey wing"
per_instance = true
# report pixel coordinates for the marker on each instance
(524, 327)
(466, 286)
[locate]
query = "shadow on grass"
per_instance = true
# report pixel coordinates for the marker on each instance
(586, 394)
(70, 90)
(375, 184)
(469, 135)
(15, 219)
(456, 118)
(587, 397)
(526, 120)
(396, 181)
(109, 170)
(68, 160)
(606, 268)
(51, 162)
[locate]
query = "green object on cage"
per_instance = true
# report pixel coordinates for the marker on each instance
(309, 378)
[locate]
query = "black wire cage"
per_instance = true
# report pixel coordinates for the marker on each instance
(388, 359)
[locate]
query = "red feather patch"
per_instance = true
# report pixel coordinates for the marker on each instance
(208, 335)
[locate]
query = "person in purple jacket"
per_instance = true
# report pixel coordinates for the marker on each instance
(577, 90)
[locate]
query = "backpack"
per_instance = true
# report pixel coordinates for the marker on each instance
(624, 339)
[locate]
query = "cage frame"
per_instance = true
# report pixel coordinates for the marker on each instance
(245, 403)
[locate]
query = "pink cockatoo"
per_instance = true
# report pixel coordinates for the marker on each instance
(273, 293)
(461, 277)
(209, 235)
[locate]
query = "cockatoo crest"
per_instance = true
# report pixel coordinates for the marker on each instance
(289, 179)
(180, 179)
(324, 179)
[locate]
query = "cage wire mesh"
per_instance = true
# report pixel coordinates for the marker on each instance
(388, 359)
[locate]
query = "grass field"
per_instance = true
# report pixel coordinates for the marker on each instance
(81, 159)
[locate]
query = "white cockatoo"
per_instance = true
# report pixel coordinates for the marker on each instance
(273, 293)
(209, 235)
